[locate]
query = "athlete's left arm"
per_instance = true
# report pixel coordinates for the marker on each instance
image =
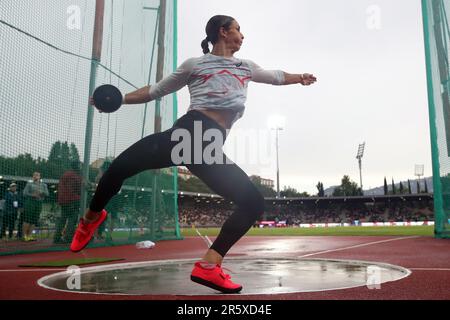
(305, 79)
(277, 77)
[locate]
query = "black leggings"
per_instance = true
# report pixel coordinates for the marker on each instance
(225, 178)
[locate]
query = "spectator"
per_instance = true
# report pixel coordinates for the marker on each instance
(69, 194)
(2, 208)
(19, 235)
(11, 209)
(212, 215)
(34, 193)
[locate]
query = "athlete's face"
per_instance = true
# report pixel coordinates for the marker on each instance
(234, 37)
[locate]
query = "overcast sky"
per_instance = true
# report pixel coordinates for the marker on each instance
(369, 59)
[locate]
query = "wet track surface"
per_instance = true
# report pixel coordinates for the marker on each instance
(259, 276)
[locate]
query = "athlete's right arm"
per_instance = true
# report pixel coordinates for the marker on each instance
(169, 84)
(137, 97)
(173, 82)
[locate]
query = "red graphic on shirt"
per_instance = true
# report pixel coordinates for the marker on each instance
(207, 77)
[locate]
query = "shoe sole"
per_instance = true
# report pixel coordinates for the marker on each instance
(76, 251)
(214, 286)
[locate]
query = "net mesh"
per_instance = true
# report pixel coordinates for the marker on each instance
(46, 50)
(436, 16)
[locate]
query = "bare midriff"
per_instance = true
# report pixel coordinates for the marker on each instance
(223, 117)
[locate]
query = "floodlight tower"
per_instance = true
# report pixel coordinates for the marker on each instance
(418, 171)
(359, 157)
(277, 123)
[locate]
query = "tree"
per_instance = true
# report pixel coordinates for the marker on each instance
(74, 155)
(321, 191)
(418, 186)
(62, 154)
(60, 157)
(55, 152)
(58, 161)
(290, 192)
(409, 187)
(426, 186)
(393, 187)
(193, 184)
(65, 154)
(347, 188)
(22, 165)
(265, 190)
(401, 188)
(385, 187)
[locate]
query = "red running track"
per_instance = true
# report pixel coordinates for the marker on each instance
(427, 258)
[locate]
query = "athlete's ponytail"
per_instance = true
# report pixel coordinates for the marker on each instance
(205, 46)
(213, 28)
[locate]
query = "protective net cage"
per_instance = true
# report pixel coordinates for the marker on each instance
(436, 16)
(48, 70)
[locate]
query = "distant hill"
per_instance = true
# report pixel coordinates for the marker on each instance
(380, 190)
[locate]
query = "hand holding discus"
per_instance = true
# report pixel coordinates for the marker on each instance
(107, 99)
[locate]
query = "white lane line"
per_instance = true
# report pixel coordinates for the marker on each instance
(32, 270)
(357, 246)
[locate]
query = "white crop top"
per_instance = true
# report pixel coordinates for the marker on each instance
(216, 82)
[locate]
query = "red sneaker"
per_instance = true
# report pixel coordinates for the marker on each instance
(214, 278)
(85, 231)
